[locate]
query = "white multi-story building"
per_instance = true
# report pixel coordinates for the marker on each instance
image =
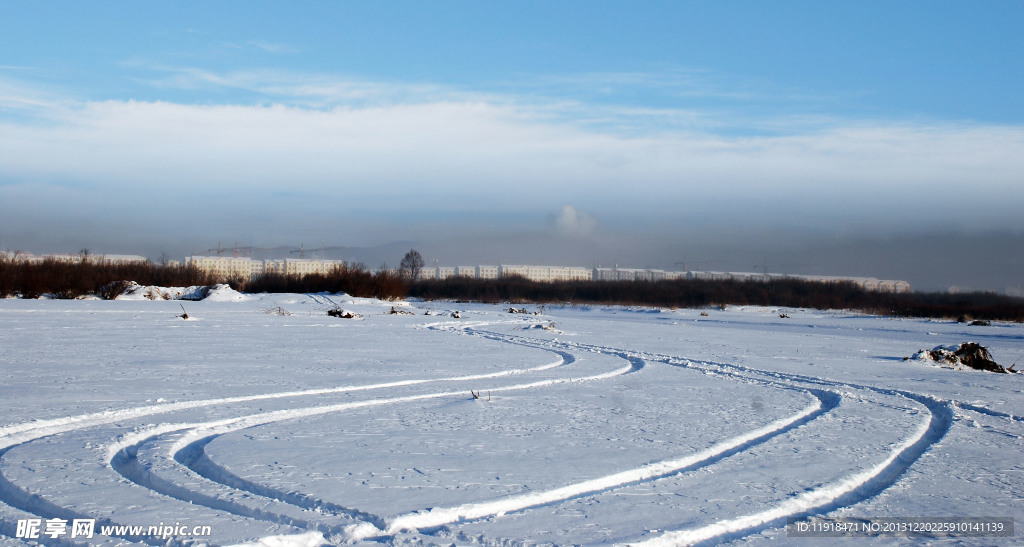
(487, 272)
(225, 267)
(273, 267)
(546, 273)
(466, 271)
(628, 274)
(307, 266)
(74, 258)
(570, 273)
(508, 271)
(247, 268)
(866, 283)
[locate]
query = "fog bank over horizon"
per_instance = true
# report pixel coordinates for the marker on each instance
(931, 260)
(181, 177)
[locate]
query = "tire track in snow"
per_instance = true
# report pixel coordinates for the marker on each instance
(853, 489)
(122, 454)
(848, 491)
(33, 503)
(189, 450)
(13, 435)
(322, 300)
(194, 457)
(825, 401)
(18, 434)
(988, 411)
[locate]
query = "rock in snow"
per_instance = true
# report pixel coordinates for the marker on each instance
(969, 354)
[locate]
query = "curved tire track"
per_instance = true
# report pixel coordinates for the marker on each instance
(825, 402)
(125, 463)
(191, 452)
(846, 492)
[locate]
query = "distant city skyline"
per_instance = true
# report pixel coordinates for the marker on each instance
(871, 138)
(387, 254)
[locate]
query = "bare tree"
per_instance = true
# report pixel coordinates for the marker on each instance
(411, 265)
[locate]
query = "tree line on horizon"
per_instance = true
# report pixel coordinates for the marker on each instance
(66, 280)
(698, 293)
(61, 279)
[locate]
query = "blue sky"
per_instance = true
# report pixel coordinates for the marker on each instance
(945, 60)
(941, 60)
(368, 122)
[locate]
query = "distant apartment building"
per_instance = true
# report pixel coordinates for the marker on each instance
(226, 267)
(231, 267)
(866, 283)
(543, 273)
(570, 273)
(487, 272)
(509, 271)
(628, 274)
(73, 258)
(538, 273)
(466, 271)
(307, 266)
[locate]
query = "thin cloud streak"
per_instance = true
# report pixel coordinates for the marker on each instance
(291, 88)
(597, 100)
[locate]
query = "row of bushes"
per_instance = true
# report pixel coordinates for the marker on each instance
(69, 280)
(355, 280)
(62, 279)
(702, 293)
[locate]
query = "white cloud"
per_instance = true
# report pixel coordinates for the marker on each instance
(21, 98)
(469, 153)
(273, 47)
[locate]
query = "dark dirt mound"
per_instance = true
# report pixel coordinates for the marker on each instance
(969, 354)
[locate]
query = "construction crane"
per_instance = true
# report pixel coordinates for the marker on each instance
(323, 250)
(247, 251)
(244, 251)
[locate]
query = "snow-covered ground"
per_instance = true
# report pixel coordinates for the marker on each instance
(578, 425)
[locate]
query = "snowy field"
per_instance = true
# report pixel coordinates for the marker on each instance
(594, 425)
